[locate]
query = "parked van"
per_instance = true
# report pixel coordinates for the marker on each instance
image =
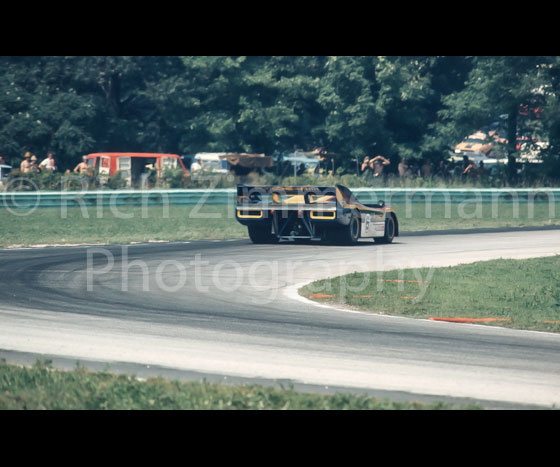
(210, 162)
(140, 170)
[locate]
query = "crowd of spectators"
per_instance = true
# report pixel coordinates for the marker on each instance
(29, 164)
(370, 168)
(410, 168)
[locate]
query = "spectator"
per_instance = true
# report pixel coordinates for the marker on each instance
(457, 169)
(470, 169)
(365, 169)
(377, 164)
(323, 165)
(403, 168)
(48, 163)
(33, 165)
(2, 160)
(466, 163)
(82, 167)
(441, 170)
(25, 166)
(482, 172)
(427, 169)
(413, 169)
(151, 174)
(196, 166)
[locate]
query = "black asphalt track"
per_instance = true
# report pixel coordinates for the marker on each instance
(230, 309)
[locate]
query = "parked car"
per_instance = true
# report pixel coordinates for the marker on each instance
(530, 151)
(4, 173)
(475, 143)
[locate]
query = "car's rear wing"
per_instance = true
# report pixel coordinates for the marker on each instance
(296, 197)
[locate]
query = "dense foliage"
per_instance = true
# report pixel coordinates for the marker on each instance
(414, 107)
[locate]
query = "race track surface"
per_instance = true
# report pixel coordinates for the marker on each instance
(230, 309)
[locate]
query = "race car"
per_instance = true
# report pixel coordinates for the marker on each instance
(306, 213)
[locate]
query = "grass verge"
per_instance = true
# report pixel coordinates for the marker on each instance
(177, 223)
(130, 224)
(520, 294)
(42, 387)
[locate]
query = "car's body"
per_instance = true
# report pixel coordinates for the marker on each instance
(475, 143)
(273, 213)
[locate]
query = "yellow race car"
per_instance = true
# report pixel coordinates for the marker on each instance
(304, 213)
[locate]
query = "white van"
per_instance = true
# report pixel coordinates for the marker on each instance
(222, 163)
(210, 162)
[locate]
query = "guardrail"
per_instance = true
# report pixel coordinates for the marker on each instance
(46, 199)
(184, 197)
(457, 195)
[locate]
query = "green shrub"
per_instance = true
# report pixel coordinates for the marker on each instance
(173, 178)
(116, 182)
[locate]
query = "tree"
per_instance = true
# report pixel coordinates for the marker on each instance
(404, 106)
(495, 86)
(353, 123)
(136, 98)
(549, 91)
(409, 102)
(76, 105)
(250, 104)
(388, 105)
(278, 106)
(41, 111)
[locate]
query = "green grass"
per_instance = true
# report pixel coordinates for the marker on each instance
(135, 224)
(43, 388)
(438, 216)
(522, 293)
(131, 224)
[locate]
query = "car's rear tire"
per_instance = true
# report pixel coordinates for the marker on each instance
(390, 230)
(261, 235)
(348, 234)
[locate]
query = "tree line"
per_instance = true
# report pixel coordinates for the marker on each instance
(416, 107)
